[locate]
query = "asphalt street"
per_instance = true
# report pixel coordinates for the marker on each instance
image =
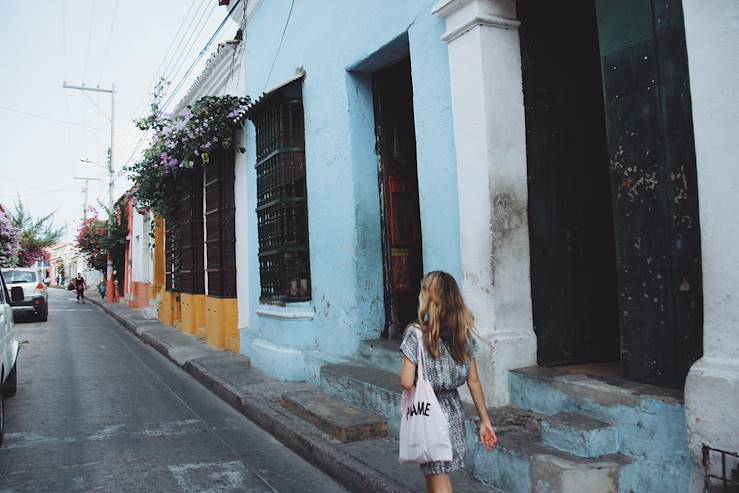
(97, 410)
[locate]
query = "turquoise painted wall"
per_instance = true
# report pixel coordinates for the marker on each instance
(338, 44)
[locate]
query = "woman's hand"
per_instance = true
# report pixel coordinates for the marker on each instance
(487, 436)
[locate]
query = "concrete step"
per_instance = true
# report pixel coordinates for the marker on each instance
(649, 421)
(368, 388)
(522, 464)
(579, 435)
(381, 353)
(344, 422)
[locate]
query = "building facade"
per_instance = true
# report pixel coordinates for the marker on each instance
(569, 164)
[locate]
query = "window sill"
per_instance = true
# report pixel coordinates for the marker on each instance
(301, 311)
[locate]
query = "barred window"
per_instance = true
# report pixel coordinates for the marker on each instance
(221, 225)
(282, 213)
(190, 212)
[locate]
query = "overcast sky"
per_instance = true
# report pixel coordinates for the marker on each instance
(45, 130)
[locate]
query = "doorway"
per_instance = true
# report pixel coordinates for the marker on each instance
(399, 205)
(613, 208)
(571, 228)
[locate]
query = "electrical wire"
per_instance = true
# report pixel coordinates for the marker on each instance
(279, 46)
(96, 105)
(65, 122)
(179, 84)
(163, 66)
(110, 36)
(192, 41)
(89, 40)
(68, 187)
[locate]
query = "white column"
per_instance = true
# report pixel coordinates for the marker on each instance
(712, 387)
(490, 140)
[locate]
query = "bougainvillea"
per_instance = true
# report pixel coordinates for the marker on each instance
(9, 242)
(90, 243)
(180, 142)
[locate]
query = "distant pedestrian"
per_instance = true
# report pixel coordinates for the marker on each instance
(101, 289)
(445, 325)
(79, 286)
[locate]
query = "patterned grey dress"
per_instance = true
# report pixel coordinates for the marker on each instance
(445, 376)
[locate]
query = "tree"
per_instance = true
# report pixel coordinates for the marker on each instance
(9, 241)
(97, 238)
(35, 235)
(91, 240)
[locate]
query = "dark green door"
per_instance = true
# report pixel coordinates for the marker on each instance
(653, 181)
(573, 263)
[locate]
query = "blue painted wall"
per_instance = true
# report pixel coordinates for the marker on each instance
(338, 44)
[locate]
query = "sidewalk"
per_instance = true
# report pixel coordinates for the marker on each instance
(362, 466)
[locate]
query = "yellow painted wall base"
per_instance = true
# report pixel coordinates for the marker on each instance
(221, 320)
(169, 308)
(193, 312)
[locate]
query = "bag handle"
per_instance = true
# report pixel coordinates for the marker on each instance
(421, 354)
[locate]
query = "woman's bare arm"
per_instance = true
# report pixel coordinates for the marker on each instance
(407, 374)
(487, 433)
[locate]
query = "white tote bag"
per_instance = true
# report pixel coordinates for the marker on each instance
(424, 430)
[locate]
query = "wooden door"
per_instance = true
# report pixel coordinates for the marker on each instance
(573, 265)
(398, 180)
(653, 180)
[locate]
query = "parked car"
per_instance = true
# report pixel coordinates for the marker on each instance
(35, 293)
(8, 349)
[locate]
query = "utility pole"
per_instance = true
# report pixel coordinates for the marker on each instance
(84, 211)
(111, 177)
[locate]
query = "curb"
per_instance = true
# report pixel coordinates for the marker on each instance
(313, 448)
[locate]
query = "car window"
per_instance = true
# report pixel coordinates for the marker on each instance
(18, 276)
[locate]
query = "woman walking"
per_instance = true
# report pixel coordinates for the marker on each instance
(449, 346)
(79, 286)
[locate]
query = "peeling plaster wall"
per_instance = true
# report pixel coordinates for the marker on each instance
(337, 49)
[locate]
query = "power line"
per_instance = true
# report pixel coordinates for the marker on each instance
(193, 39)
(179, 84)
(279, 47)
(38, 193)
(162, 67)
(180, 53)
(64, 41)
(96, 105)
(65, 122)
(89, 40)
(110, 36)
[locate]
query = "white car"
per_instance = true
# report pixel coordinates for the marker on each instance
(8, 348)
(35, 293)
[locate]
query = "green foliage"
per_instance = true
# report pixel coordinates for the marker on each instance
(35, 234)
(97, 239)
(181, 142)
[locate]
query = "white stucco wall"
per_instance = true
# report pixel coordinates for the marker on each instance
(712, 387)
(490, 139)
(139, 249)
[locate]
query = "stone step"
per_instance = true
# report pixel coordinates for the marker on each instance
(366, 387)
(344, 422)
(381, 353)
(522, 464)
(579, 435)
(649, 421)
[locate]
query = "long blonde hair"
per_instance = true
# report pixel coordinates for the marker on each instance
(443, 314)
